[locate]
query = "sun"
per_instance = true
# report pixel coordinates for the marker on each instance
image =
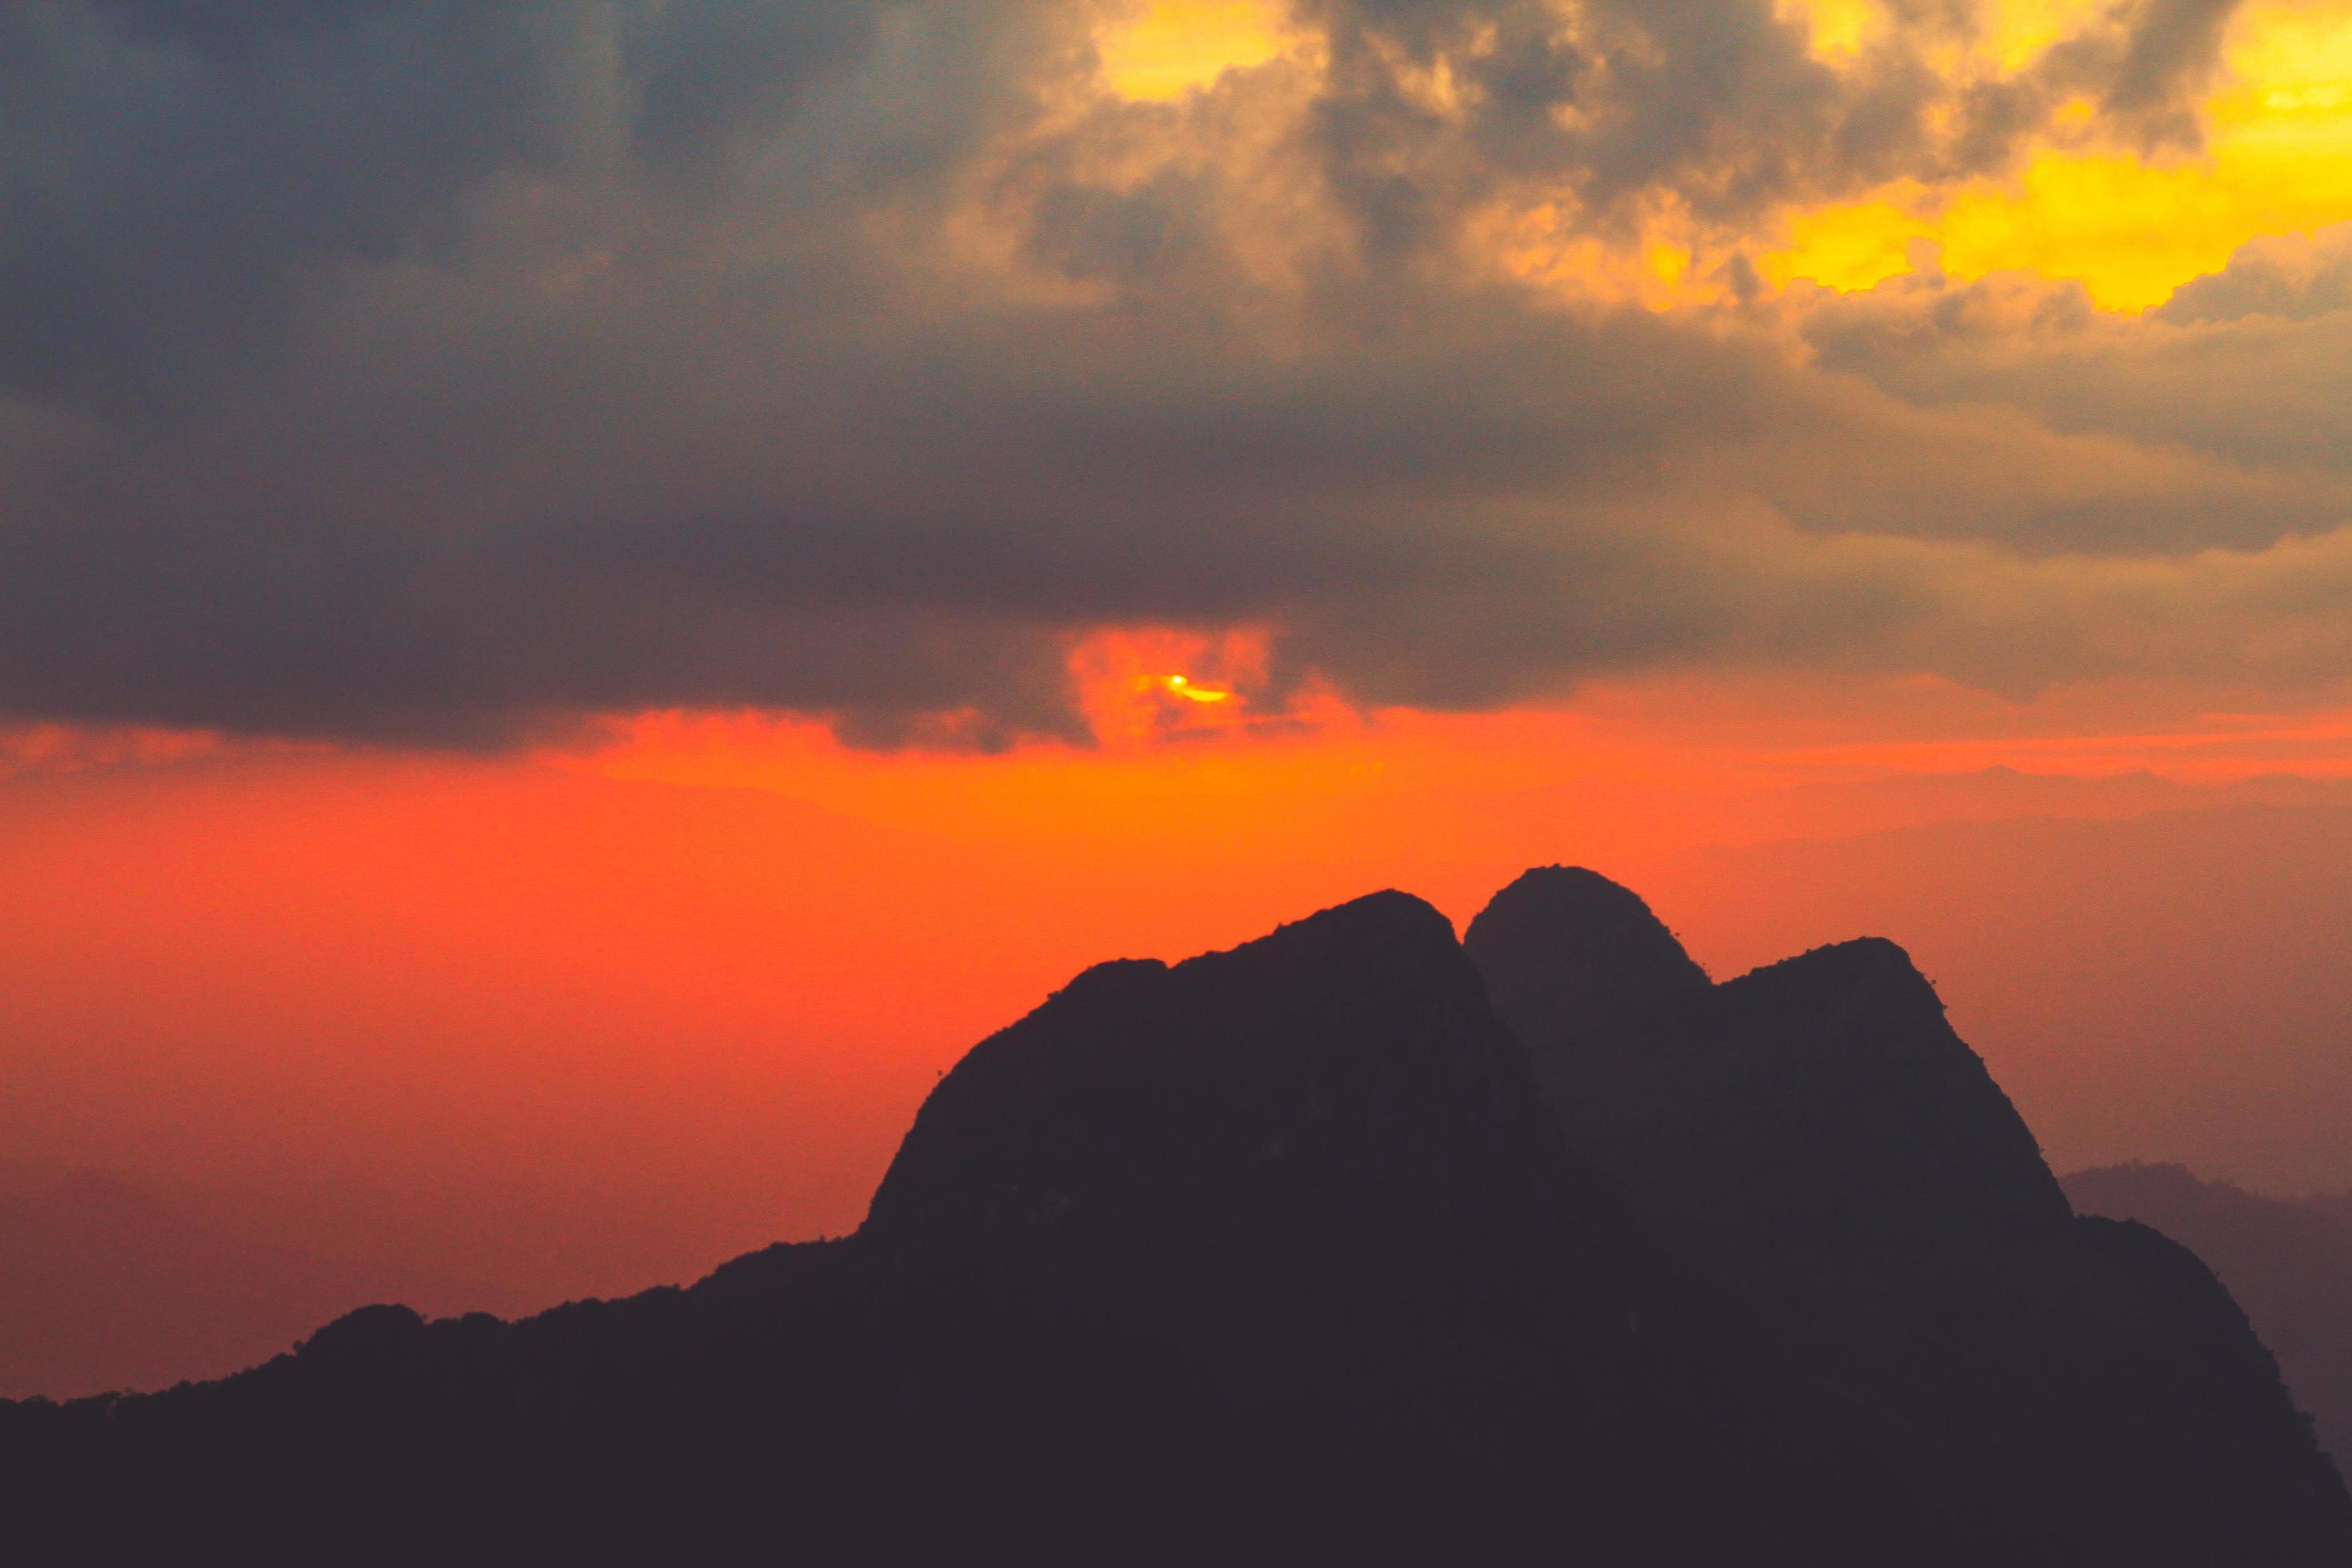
(1170, 47)
(1182, 686)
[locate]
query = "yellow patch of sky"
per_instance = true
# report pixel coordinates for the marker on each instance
(2278, 160)
(1163, 48)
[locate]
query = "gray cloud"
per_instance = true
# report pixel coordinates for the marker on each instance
(2293, 277)
(2246, 367)
(442, 371)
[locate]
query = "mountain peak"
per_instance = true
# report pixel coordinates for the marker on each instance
(1869, 972)
(365, 1334)
(1834, 1073)
(1579, 952)
(1381, 929)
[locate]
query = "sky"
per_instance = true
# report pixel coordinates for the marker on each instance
(592, 590)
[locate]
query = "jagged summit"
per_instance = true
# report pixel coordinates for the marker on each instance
(1206, 1095)
(1829, 1082)
(1839, 1063)
(1869, 965)
(1359, 931)
(1122, 1075)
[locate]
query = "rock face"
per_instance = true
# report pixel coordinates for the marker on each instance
(1814, 1138)
(2287, 1261)
(1278, 1246)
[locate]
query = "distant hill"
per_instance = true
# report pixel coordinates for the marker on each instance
(1814, 1138)
(2337, 1206)
(2287, 1261)
(1281, 1253)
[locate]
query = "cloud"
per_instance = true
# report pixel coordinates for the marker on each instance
(1720, 110)
(2294, 277)
(2243, 367)
(440, 372)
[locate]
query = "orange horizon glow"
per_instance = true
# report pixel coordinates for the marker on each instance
(525, 1027)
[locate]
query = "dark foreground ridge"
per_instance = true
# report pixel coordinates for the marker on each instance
(1279, 1253)
(1814, 1138)
(2288, 1261)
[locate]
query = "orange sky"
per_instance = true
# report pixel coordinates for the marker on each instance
(501, 1031)
(238, 960)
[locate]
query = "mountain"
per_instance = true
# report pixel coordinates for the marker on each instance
(1815, 1140)
(2289, 1262)
(1276, 1251)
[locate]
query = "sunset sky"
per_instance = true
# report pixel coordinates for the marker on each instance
(592, 590)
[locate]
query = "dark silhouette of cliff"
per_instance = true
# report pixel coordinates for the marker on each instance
(1814, 1138)
(2287, 1261)
(1273, 1253)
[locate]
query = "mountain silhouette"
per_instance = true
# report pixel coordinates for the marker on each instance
(1281, 1252)
(1814, 1138)
(1277, 1248)
(2288, 1261)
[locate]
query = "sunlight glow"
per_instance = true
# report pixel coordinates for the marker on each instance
(1170, 47)
(2131, 229)
(1182, 687)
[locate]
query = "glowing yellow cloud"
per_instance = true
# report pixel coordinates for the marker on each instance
(2279, 160)
(2131, 230)
(1171, 45)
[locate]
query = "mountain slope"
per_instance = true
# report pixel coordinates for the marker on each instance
(1815, 1139)
(2289, 1262)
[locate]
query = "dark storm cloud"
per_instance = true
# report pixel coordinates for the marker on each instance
(175, 173)
(172, 173)
(442, 371)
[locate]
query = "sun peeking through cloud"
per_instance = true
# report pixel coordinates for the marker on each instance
(1136, 687)
(1167, 46)
(1191, 691)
